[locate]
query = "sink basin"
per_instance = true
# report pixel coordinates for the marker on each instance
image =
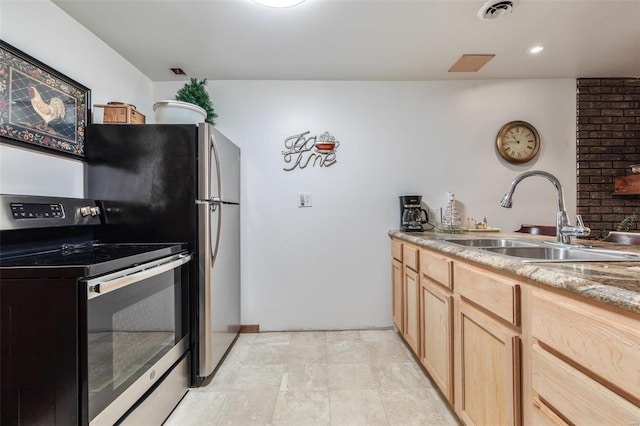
(564, 254)
(543, 251)
(491, 242)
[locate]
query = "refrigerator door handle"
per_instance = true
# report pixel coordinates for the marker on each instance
(213, 152)
(214, 251)
(215, 201)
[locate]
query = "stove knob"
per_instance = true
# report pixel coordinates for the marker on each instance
(85, 211)
(95, 211)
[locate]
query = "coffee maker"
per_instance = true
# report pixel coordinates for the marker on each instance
(412, 215)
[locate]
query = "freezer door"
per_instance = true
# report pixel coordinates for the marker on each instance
(220, 291)
(225, 173)
(146, 177)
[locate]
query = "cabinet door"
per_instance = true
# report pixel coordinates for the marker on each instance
(436, 320)
(488, 362)
(411, 309)
(396, 285)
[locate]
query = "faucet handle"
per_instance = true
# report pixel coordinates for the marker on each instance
(576, 231)
(586, 231)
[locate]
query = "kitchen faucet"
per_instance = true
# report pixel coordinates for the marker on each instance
(564, 230)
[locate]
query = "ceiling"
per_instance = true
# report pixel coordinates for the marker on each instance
(391, 40)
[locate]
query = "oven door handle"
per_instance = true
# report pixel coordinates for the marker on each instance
(106, 284)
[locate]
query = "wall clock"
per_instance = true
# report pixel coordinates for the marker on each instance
(518, 142)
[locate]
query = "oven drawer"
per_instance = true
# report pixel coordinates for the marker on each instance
(157, 406)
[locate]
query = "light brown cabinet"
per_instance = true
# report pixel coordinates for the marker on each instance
(397, 291)
(564, 392)
(462, 327)
(487, 375)
(411, 309)
(437, 267)
(436, 320)
(494, 293)
(585, 362)
(510, 351)
(411, 294)
(487, 355)
(397, 295)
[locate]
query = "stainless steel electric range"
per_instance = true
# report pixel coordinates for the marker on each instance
(91, 332)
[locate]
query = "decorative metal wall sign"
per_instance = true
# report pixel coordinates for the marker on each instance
(302, 151)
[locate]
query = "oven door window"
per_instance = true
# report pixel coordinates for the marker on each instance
(129, 329)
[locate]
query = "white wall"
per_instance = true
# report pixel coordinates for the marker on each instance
(328, 266)
(44, 31)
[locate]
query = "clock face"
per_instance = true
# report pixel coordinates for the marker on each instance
(518, 142)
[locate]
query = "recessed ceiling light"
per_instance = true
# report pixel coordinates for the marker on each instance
(178, 71)
(534, 50)
(279, 3)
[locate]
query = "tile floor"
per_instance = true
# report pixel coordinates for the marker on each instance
(316, 378)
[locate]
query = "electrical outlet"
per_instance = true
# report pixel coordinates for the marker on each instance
(304, 199)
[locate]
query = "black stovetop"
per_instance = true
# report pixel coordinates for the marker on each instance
(93, 257)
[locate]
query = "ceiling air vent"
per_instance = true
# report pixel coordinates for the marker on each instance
(470, 63)
(495, 8)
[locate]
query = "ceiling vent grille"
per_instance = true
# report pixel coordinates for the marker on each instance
(495, 8)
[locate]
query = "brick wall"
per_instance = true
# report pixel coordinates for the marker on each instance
(608, 142)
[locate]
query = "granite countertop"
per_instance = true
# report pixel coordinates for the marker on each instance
(615, 283)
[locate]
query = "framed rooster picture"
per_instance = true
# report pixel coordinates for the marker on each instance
(39, 107)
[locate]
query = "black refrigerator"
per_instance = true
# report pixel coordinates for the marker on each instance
(177, 183)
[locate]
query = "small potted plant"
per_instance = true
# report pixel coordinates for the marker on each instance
(192, 105)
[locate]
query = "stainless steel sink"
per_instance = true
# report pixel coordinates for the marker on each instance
(531, 251)
(564, 254)
(491, 242)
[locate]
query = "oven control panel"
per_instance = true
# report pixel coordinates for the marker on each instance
(32, 211)
(36, 211)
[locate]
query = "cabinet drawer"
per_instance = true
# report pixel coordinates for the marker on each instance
(577, 397)
(605, 343)
(436, 267)
(410, 256)
(497, 294)
(396, 250)
(545, 416)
